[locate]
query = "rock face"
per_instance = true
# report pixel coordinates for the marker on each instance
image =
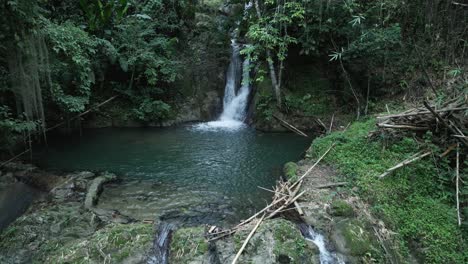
(275, 241)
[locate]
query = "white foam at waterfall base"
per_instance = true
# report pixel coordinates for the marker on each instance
(234, 104)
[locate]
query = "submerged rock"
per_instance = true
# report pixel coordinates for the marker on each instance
(96, 187)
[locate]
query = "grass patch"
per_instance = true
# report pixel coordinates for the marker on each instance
(415, 200)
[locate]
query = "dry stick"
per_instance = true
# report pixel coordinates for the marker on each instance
(423, 112)
(291, 127)
(82, 114)
(331, 124)
(426, 104)
(449, 149)
(15, 157)
(382, 243)
(247, 240)
(405, 162)
(286, 204)
(232, 230)
(296, 204)
(313, 166)
(337, 184)
(457, 180)
(272, 191)
(403, 127)
(322, 124)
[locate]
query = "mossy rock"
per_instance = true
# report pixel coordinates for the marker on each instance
(341, 208)
(36, 234)
(353, 237)
(276, 241)
(188, 245)
(116, 243)
(290, 171)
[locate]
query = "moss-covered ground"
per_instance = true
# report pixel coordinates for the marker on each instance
(416, 200)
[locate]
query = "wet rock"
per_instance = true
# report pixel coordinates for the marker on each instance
(96, 187)
(353, 237)
(341, 208)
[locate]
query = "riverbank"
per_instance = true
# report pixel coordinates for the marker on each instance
(363, 219)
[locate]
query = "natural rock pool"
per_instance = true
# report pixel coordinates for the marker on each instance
(202, 175)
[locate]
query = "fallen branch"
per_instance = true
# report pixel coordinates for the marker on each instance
(405, 162)
(285, 205)
(403, 127)
(82, 114)
(276, 192)
(423, 112)
(331, 124)
(449, 149)
(15, 157)
(426, 104)
(291, 127)
(331, 185)
(234, 261)
(313, 166)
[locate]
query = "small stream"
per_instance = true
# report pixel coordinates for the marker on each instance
(326, 256)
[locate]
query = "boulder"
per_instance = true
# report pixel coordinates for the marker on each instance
(354, 237)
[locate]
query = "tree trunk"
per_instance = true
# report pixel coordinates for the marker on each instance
(274, 81)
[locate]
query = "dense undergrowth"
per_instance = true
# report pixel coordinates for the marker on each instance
(415, 200)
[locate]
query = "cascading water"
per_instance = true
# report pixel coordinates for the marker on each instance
(326, 257)
(236, 94)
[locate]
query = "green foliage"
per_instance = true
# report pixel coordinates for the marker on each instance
(414, 199)
(99, 13)
(151, 110)
(12, 129)
(265, 107)
(72, 73)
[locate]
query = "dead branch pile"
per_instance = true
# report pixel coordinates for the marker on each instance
(285, 196)
(448, 121)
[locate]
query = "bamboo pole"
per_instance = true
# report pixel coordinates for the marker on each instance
(15, 157)
(291, 127)
(313, 166)
(405, 162)
(234, 261)
(457, 180)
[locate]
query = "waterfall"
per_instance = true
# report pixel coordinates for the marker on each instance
(236, 94)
